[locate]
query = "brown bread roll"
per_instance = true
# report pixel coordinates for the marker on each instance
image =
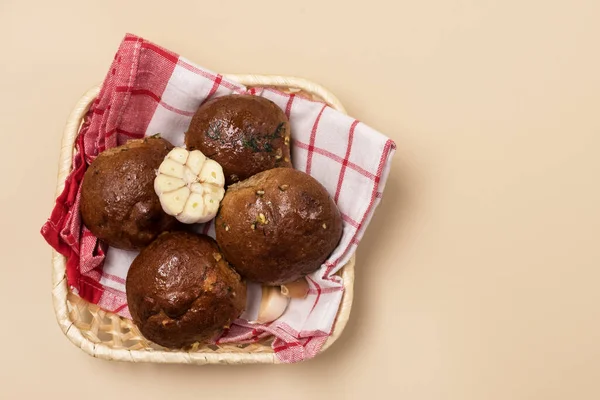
(245, 134)
(118, 201)
(277, 226)
(180, 290)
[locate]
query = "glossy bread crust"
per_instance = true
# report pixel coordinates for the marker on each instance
(118, 202)
(277, 226)
(245, 134)
(180, 290)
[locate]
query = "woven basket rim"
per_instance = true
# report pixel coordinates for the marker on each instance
(60, 288)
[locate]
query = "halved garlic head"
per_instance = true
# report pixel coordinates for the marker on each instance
(189, 186)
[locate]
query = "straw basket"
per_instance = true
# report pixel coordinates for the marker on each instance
(106, 335)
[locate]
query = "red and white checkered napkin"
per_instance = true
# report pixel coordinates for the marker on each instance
(151, 90)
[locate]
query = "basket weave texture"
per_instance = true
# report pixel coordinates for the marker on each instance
(106, 335)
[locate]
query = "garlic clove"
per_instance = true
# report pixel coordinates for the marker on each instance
(193, 211)
(195, 161)
(179, 155)
(215, 191)
(212, 172)
(171, 168)
(173, 202)
(211, 203)
(273, 304)
(166, 183)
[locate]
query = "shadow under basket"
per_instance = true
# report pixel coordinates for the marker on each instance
(106, 335)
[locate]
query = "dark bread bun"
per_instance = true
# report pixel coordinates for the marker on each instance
(118, 201)
(277, 226)
(180, 290)
(245, 134)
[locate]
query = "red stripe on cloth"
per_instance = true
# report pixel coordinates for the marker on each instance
(116, 310)
(89, 289)
(314, 333)
(216, 83)
(332, 265)
(384, 155)
(279, 92)
(389, 145)
(206, 74)
(113, 300)
(148, 68)
(311, 144)
(156, 98)
(308, 349)
(113, 278)
(286, 346)
(132, 38)
(325, 290)
(256, 333)
(159, 50)
(177, 110)
(350, 220)
(138, 92)
(319, 291)
(288, 106)
(346, 161)
(334, 157)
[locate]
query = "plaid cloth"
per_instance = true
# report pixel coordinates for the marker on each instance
(150, 90)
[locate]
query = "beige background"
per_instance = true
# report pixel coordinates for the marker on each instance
(479, 276)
